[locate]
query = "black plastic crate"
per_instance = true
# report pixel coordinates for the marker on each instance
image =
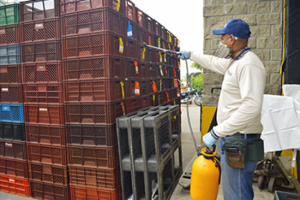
(12, 131)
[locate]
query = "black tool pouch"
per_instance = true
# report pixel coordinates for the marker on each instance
(236, 152)
(255, 149)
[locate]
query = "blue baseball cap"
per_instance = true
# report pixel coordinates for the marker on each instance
(236, 27)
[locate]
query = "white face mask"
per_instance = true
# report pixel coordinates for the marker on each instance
(223, 50)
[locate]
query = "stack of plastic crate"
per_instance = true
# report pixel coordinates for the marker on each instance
(43, 99)
(13, 157)
(94, 52)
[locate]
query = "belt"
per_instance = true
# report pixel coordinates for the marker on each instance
(242, 136)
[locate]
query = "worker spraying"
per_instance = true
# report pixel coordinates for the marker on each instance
(239, 111)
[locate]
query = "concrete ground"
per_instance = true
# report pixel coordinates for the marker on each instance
(188, 152)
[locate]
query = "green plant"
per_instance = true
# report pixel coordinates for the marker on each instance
(197, 82)
(197, 66)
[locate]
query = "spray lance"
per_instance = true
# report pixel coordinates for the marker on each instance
(206, 169)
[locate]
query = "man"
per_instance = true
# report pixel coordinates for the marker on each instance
(240, 101)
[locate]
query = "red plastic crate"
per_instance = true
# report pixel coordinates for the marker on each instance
(157, 28)
(89, 21)
(94, 177)
(41, 51)
(50, 154)
(94, 90)
(145, 86)
(45, 134)
(38, 9)
(130, 11)
(14, 185)
(95, 135)
(150, 39)
(131, 49)
(164, 33)
(49, 72)
(145, 101)
(84, 193)
(40, 30)
(13, 149)
(141, 17)
(48, 173)
(101, 157)
(42, 190)
(43, 93)
(144, 70)
(132, 104)
(10, 74)
(93, 44)
(152, 70)
(94, 113)
(69, 6)
(11, 93)
(143, 53)
(14, 167)
(44, 113)
(95, 67)
(9, 34)
(142, 35)
(150, 24)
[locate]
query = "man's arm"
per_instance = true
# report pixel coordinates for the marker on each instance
(213, 63)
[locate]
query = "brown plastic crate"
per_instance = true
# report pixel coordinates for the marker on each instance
(90, 44)
(14, 185)
(157, 28)
(41, 51)
(153, 87)
(11, 93)
(84, 193)
(142, 35)
(10, 74)
(164, 33)
(69, 6)
(145, 86)
(160, 98)
(145, 101)
(133, 104)
(152, 70)
(94, 113)
(162, 71)
(45, 134)
(130, 67)
(94, 177)
(131, 49)
(96, 135)
(144, 70)
(44, 113)
(9, 34)
(95, 67)
(48, 173)
(38, 9)
(143, 53)
(40, 30)
(150, 24)
(90, 21)
(43, 93)
(102, 157)
(131, 28)
(94, 90)
(130, 11)
(13, 149)
(130, 90)
(50, 154)
(14, 167)
(43, 190)
(141, 17)
(48, 72)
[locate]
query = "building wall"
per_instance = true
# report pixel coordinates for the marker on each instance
(265, 20)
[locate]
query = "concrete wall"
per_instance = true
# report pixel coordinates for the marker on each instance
(265, 20)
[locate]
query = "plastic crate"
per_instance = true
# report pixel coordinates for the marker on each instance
(150, 39)
(15, 185)
(162, 71)
(94, 90)
(40, 30)
(9, 34)
(157, 28)
(94, 113)
(164, 33)
(84, 193)
(13, 149)
(152, 70)
(131, 49)
(130, 11)
(43, 93)
(130, 90)
(279, 195)
(145, 101)
(12, 131)
(10, 74)
(95, 135)
(45, 134)
(50, 154)
(143, 53)
(69, 6)
(144, 70)
(49, 72)
(101, 157)
(145, 86)
(94, 177)
(42, 190)
(44, 113)
(150, 24)
(90, 21)
(142, 35)
(10, 54)
(96, 67)
(14, 167)
(11, 93)
(48, 173)
(131, 28)
(39, 9)
(12, 113)
(93, 44)
(141, 17)
(9, 14)
(41, 51)
(132, 104)
(132, 67)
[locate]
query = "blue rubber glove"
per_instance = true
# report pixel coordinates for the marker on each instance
(210, 138)
(184, 55)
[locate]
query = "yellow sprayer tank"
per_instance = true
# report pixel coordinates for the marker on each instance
(206, 172)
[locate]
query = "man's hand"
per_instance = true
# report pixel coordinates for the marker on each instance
(184, 55)
(210, 138)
